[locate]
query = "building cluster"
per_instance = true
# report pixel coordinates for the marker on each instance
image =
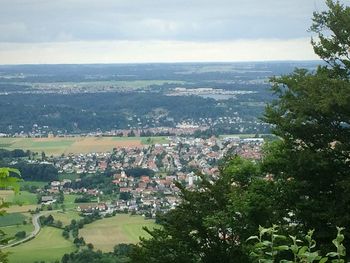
(178, 154)
(145, 177)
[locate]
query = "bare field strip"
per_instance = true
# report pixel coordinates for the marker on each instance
(66, 145)
(20, 209)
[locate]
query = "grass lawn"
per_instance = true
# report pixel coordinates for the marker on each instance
(154, 140)
(238, 135)
(10, 231)
(69, 201)
(66, 217)
(25, 198)
(6, 195)
(57, 146)
(244, 135)
(48, 246)
(71, 176)
(22, 198)
(20, 208)
(106, 233)
(12, 219)
(50, 146)
(33, 183)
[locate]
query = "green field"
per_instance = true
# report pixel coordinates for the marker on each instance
(57, 146)
(12, 219)
(20, 208)
(10, 231)
(65, 217)
(33, 183)
(25, 198)
(154, 140)
(69, 201)
(70, 176)
(48, 246)
(242, 135)
(49, 146)
(22, 198)
(106, 233)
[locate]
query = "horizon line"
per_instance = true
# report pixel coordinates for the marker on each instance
(167, 62)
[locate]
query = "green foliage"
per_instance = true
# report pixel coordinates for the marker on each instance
(138, 171)
(81, 113)
(266, 250)
(88, 255)
(37, 172)
(312, 117)
(20, 234)
(16, 153)
(302, 182)
(210, 221)
(83, 199)
(119, 255)
(74, 226)
(79, 241)
(46, 220)
(272, 247)
(12, 219)
(333, 44)
(125, 196)
(242, 171)
(341, 250)
(7, 182)
(65, 234)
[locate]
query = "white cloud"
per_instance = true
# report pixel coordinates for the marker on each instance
(178, 20)
(155, 51)
(112, 31)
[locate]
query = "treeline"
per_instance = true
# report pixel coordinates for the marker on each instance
(73, 228)
(36, 171)
(29, 171)
(17, 153)
(50, 221)
(100, 181)
(138, 172)
(107, 111)
(120, 254)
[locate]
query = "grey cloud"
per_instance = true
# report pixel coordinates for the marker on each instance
(184, 20)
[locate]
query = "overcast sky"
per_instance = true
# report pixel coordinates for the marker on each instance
(117, 31)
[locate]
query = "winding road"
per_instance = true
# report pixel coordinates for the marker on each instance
(37, 227)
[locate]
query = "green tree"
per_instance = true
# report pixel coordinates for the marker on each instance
(20, 234)
(312, 117)
(210, 222)
(303, 181)
(332, 43)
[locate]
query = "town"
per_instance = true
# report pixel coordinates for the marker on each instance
(141, 180)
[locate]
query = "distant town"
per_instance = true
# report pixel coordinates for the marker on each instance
(143, 178)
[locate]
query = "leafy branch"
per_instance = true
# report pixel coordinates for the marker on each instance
(270, 245)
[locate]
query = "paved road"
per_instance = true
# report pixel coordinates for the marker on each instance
(37, 227)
